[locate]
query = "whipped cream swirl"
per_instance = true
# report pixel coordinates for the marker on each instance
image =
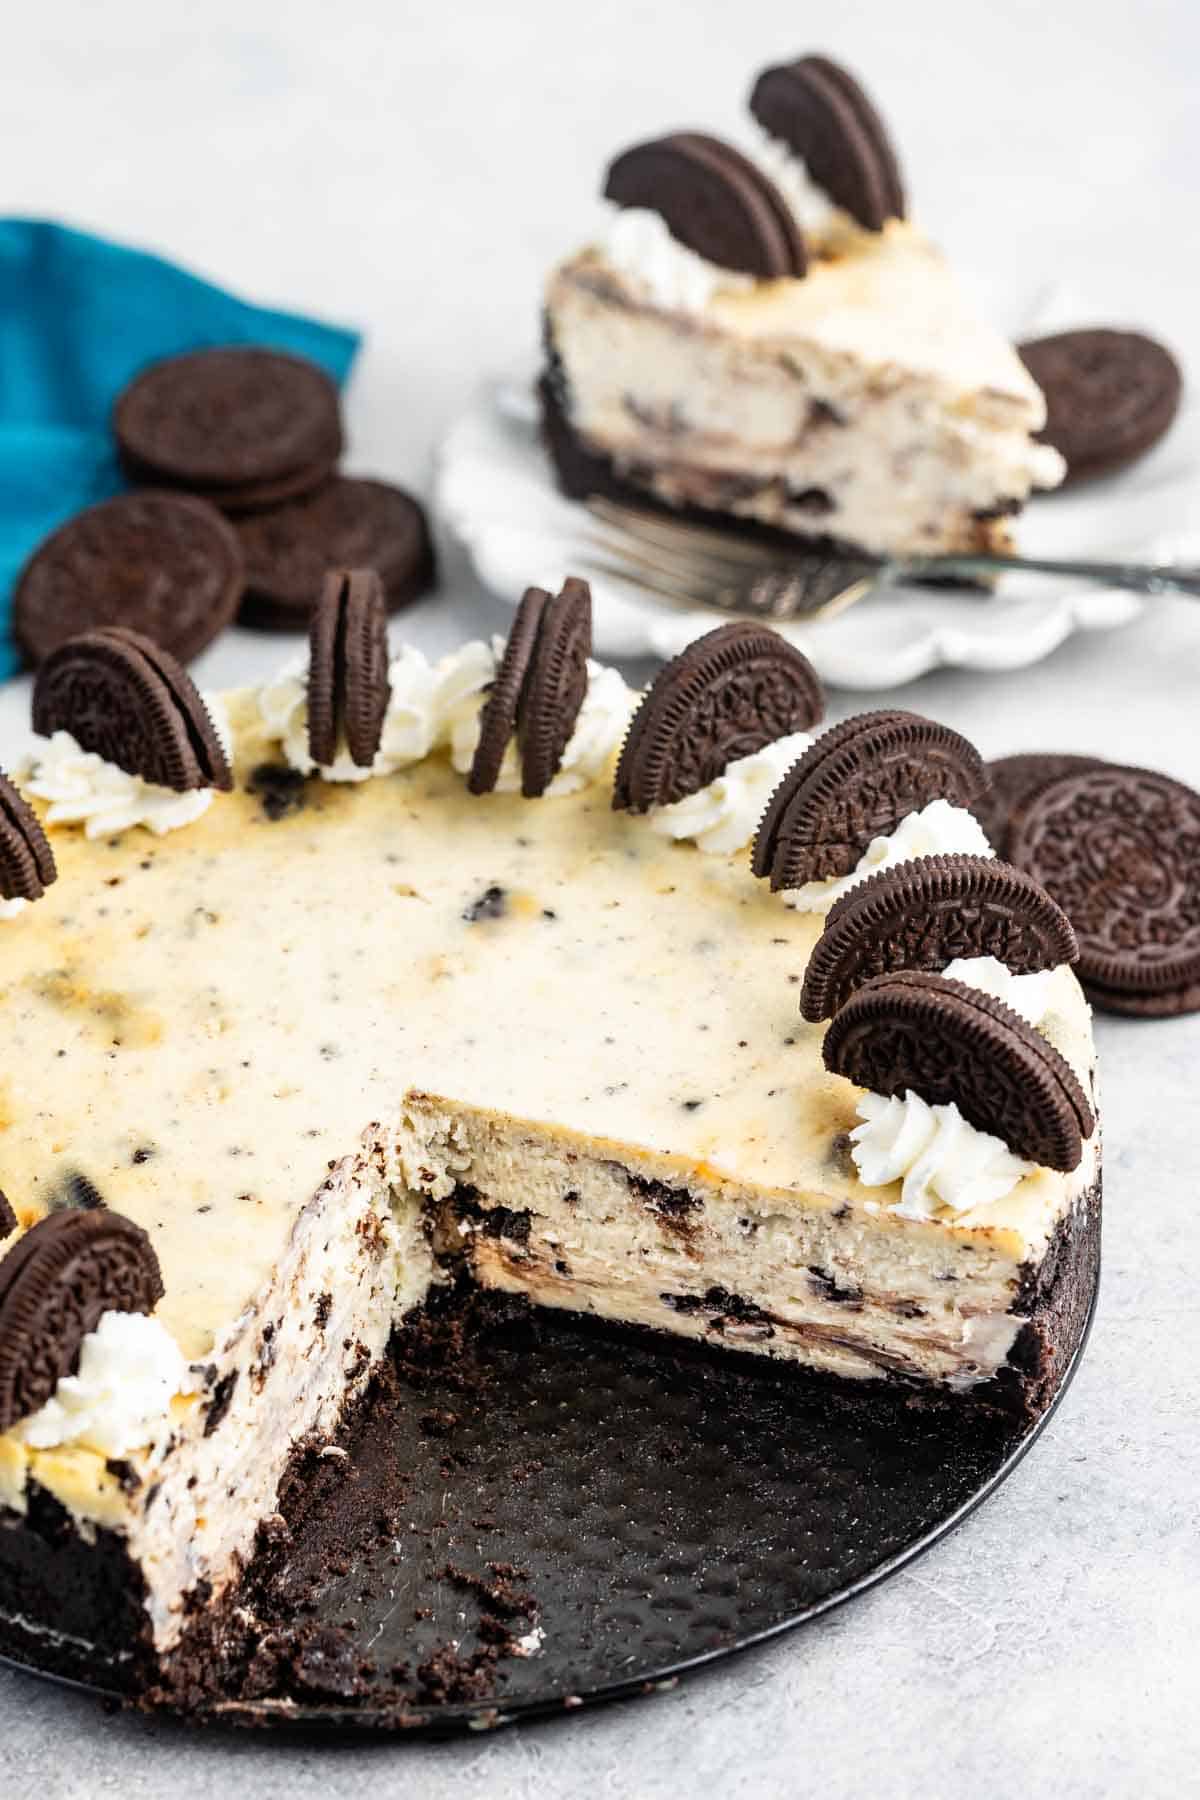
(130, 1370)
(638, 245)
(939, 829)
(599, 730)
(812, 208)
(80, 788)
(723, 817)
(436, 707)
(1028, 995)
(940, 1160)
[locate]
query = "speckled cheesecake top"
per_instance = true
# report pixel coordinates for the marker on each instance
(198, 1025)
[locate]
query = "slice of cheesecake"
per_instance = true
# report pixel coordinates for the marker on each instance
(862, 401)
(330, 1041)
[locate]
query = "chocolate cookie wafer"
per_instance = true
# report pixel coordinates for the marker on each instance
(244, 427)
(27, 865)
(8, 1218)
(348, 688)
(927, 914)
(1119, 849)
(539, 688)
(345, 524)
(1010, 779)
(714, 200)
(820, 112)
(728, 694)
(1110, 396)
(128, 700)
(950, 1043)
(55, 1285)
(856, 783)
(161, 564)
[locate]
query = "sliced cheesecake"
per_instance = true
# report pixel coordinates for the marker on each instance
(855, 396)
(330, 1041)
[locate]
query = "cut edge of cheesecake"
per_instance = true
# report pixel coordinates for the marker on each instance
(866, 406)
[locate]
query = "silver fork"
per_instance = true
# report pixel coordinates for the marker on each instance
(697, 566)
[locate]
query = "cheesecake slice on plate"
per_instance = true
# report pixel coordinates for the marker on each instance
(763, 336)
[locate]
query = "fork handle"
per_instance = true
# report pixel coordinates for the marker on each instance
(1138, 578)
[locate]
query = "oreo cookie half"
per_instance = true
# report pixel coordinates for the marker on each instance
(498, 715)
(951, 1043)
(730, 693)
(348, 688)
(856, 783)
(129, 700)
(1110, 396)
(8, 1218)
(924, 915)
(555, 686)
(1119, 849)
(55, 1284)
(27, 864)
(714, 200)
(164, 564)
(821, 113)
(245, 427)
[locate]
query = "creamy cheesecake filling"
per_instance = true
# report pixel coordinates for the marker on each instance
(199, 1026)
(790, 1276)
(861, 403)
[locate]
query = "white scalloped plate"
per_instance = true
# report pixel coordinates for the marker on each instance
(495, 494)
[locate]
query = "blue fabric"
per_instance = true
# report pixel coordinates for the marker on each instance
(78, 318)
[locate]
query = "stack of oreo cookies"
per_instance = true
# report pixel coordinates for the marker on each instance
(239, 511)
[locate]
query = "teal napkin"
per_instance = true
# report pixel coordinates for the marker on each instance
(78, 318)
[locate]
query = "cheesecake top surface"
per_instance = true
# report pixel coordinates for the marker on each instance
(199, 1024)
(887, 299)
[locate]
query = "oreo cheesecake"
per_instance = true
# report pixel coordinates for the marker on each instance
(670, 1010)
(761, 333)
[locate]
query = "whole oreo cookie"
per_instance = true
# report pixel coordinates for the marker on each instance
(8, 1218)
(245, 427)
(1110, 396)
(856, 783)
(128, 700)
(55, 1284)
(348, 688)
(820, 112)
(730, 693)
(26, 860)
(1011, 779)
(555, 686)
(163, 564)
(714, 200)
(948, 1043)
(345, 524)
(1119, 849)
(926, 914)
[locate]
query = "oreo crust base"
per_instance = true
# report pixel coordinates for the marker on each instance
(514, 1471)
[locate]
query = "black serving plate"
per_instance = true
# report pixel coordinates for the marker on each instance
(660, 1510)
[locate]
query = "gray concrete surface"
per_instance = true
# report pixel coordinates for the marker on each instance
(413, 168)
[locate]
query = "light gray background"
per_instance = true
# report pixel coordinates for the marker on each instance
(412, 169)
